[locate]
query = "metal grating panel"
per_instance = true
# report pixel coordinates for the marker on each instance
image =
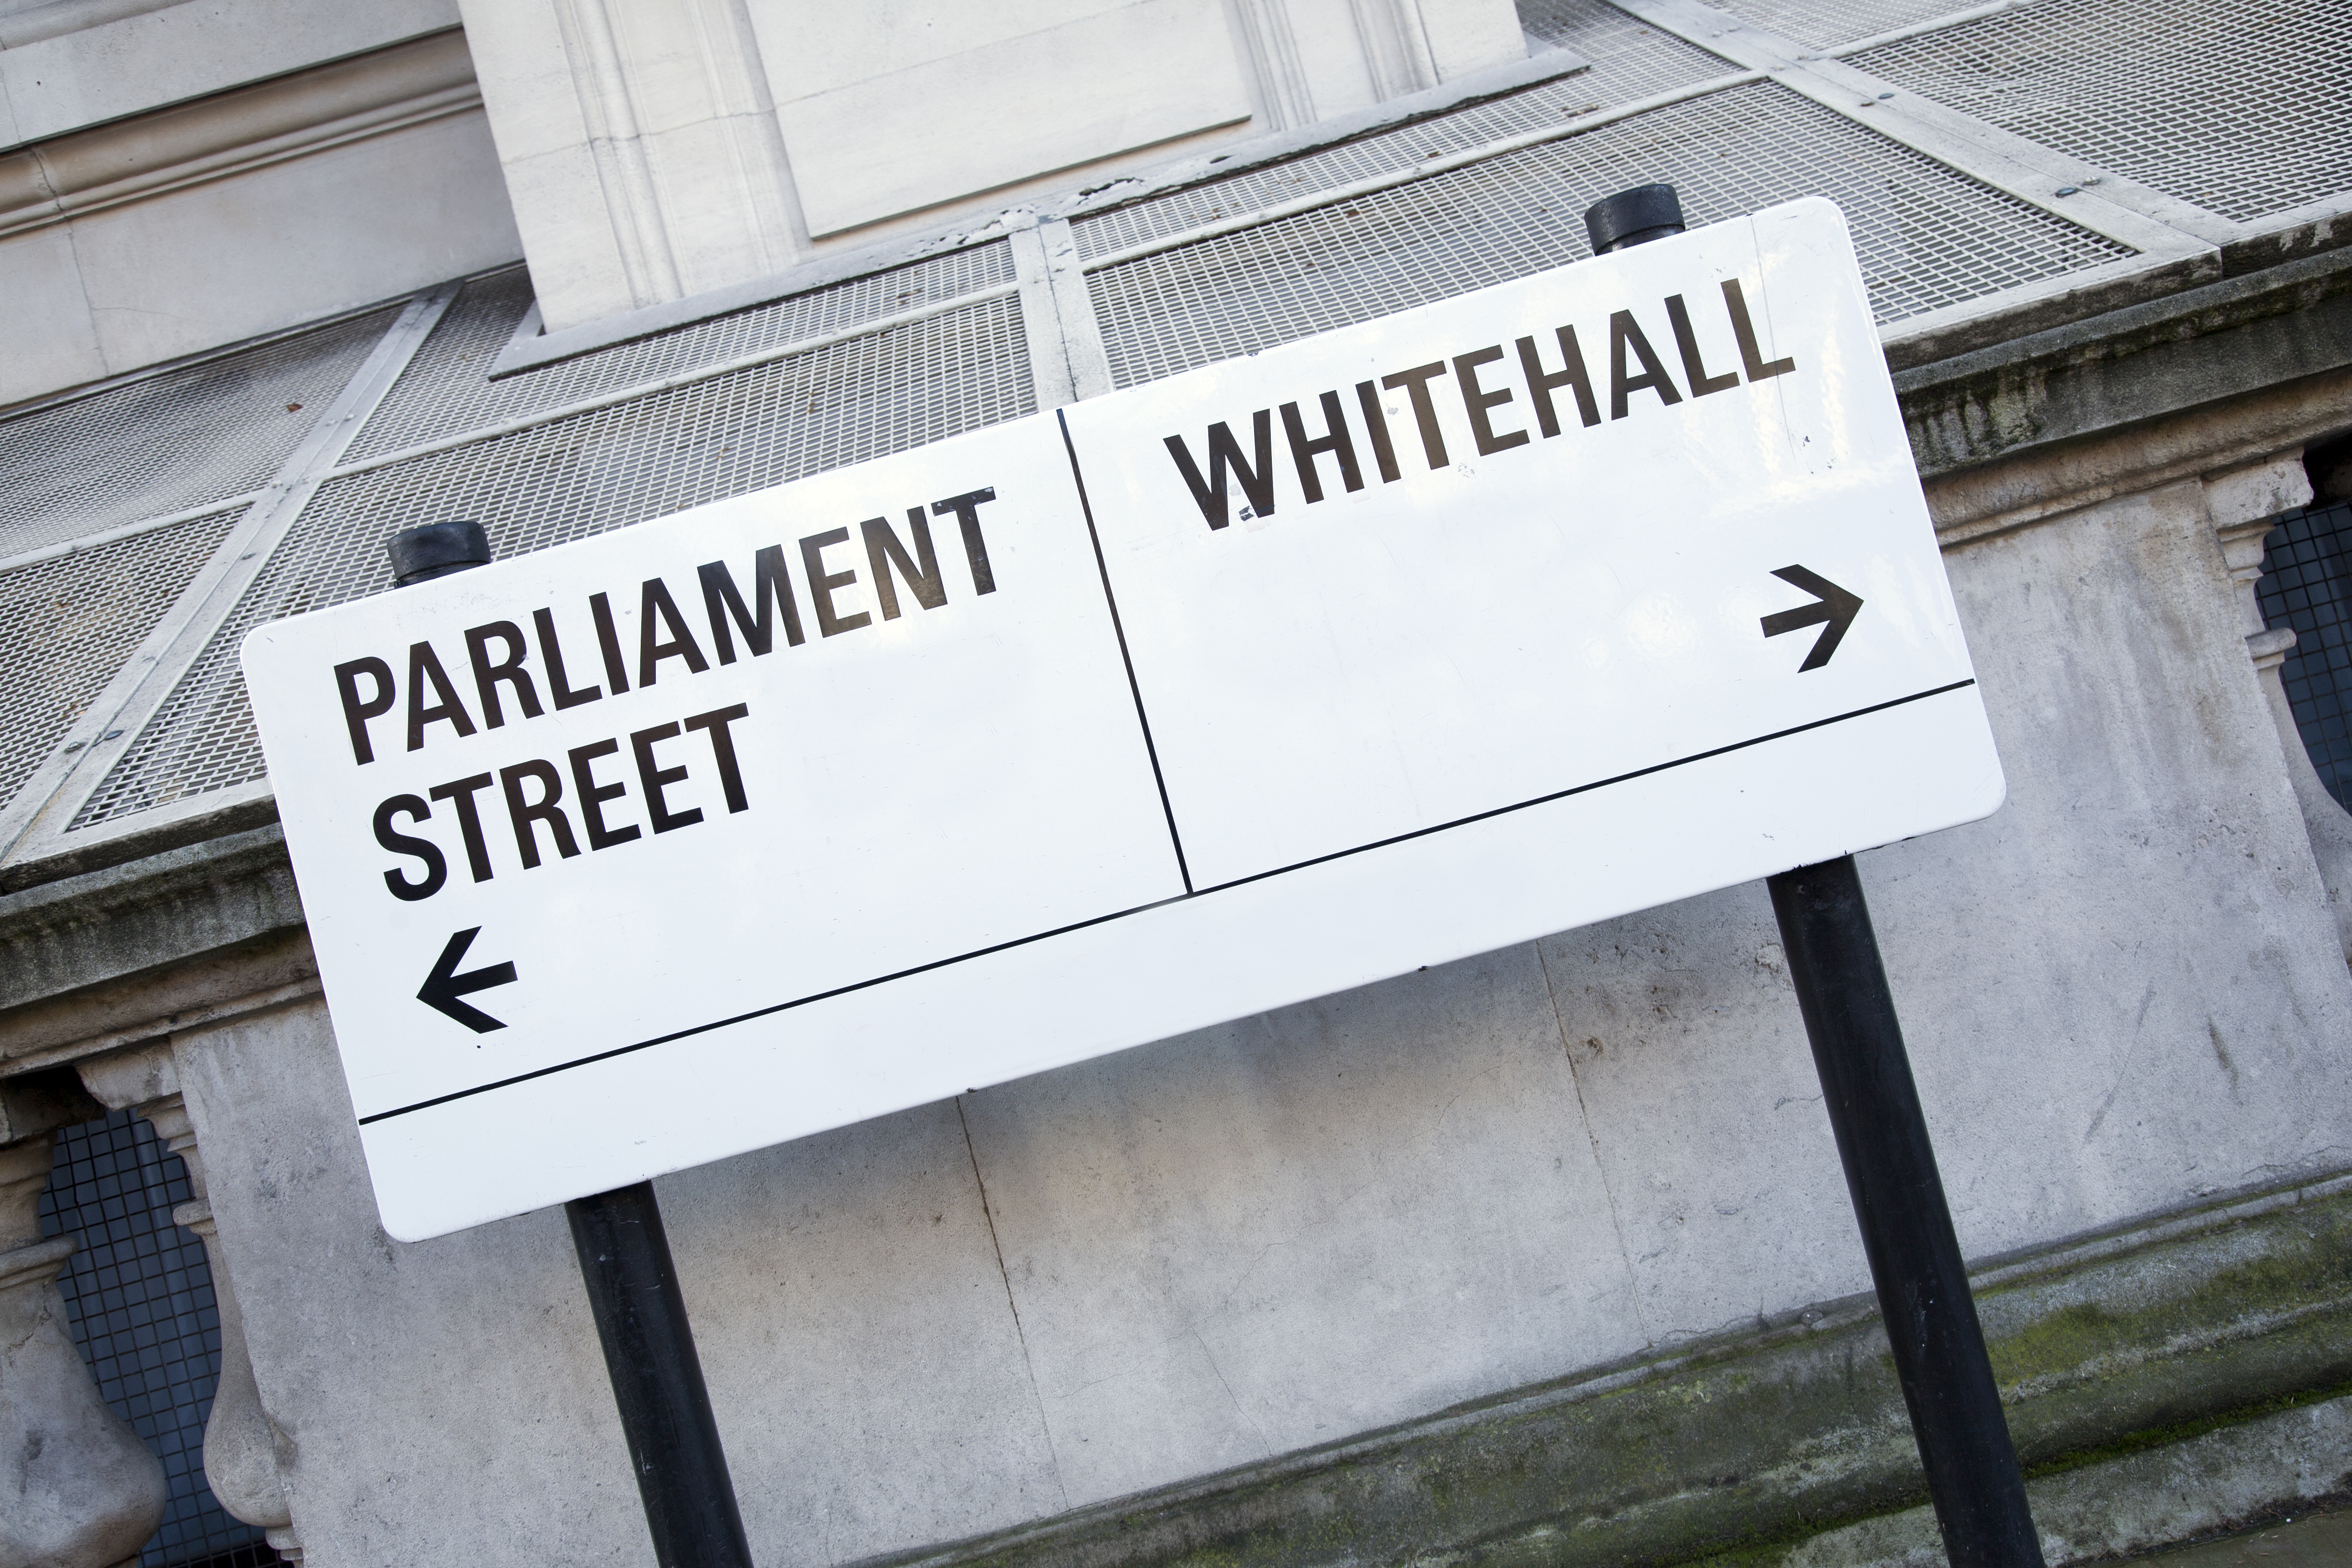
(2306, 583)
(66, 624)
(2223, 103)
(444, 392)
(166, 443)
(1927, 237)
(563, 481)
(140, 1294)
(1631, 61)
(1831, 22)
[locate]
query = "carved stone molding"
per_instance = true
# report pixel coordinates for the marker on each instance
(294, 116)
(1272, 49)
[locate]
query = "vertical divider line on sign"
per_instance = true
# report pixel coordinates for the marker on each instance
(1142, 718)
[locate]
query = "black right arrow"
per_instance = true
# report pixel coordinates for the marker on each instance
(1837, 607)
(444, 984)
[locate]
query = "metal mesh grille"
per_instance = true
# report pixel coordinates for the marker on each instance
(2219, 104)
(579, 476)
(1630, 58)
(66, 624)
(1631, 61)
(140, 1295)
(174, 441)
(443, 391)
(1831, 22)
(2306, 583)
(1927, 237)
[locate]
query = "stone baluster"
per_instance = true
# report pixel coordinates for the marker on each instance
(2244, 505)
(78, 1489)
(241, 1443)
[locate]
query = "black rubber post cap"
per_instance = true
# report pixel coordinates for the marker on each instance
(1633, 217)
(435, 550)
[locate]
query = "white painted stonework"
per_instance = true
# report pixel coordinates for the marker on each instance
(71, 64)
(257, 206)
(1003, 109)
(657, 151)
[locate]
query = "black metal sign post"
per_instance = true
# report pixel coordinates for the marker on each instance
(1907, 1228)
(1882, 1138)
(624, 1262)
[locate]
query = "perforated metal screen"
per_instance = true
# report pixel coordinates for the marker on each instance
(445, 389)
(169, 442)
(1833, 22)
(2307, 584)
(67, 625)
(2235, 105)
(1629, 61)
(140, 1295)
(566, 480)
(1927, 236)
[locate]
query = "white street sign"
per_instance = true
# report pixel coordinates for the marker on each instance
(1563, 599)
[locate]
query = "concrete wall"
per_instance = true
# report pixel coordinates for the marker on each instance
(662, 149)
(2123, 990)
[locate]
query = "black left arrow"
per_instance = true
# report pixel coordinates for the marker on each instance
(445, 986)
(1837, 607)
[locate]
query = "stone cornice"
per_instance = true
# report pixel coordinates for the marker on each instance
(292, 116)
(90, 961)
(2144, 362)
(2170, 390)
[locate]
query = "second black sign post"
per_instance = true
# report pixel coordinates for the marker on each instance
(1882, 1134)
(624, 1262)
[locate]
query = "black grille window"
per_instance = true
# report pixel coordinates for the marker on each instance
(141, 1297)
(2307, 584)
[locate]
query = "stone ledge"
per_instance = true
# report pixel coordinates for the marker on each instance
(2130, 367)
(2221, 1479)
(1774, 1432)
(141, 918)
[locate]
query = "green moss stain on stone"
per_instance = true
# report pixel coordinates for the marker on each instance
(1729, 1454)
(2055, 1345)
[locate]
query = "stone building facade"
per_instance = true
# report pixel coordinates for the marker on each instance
(1540, 1257)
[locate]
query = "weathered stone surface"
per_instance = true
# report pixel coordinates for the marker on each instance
(2166, 356)
(874, 1382)
(132, 944)
(2131, 1504)
(1771, 1431)
(448, 1399)
(1259, 1237)
(35, 1103)
(113, 924)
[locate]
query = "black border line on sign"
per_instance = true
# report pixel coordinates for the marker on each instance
(1087, 506)
(1163, 903)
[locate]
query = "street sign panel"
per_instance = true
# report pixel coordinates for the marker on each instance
(1571, 596)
